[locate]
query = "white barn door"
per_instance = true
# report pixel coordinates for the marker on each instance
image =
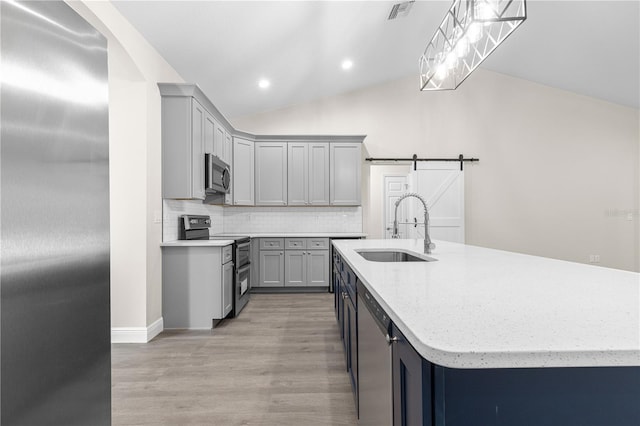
(394, 187)
(441, 184)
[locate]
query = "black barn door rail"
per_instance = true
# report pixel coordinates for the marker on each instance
(415, 160)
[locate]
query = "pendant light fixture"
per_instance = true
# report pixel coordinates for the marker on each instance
(470, 31)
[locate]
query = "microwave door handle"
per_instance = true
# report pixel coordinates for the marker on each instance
(207, 172)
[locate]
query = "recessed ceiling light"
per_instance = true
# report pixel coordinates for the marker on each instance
(347, 64)
(264, 83)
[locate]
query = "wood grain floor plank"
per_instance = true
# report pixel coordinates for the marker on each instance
(279, 363)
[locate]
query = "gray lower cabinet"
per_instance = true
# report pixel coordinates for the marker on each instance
(271, 173)
(306, 268)
(345, 174)
(197, 287)
(318, 268)
(255, 263)
(295, 274)
(292, 262)
(271, 268)
(227, 288)
(306, 261)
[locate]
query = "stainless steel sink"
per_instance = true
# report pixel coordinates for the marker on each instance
(392, 256)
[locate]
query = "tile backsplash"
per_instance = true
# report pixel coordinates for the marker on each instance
(172, 209)
(262, 219)
(292, 219)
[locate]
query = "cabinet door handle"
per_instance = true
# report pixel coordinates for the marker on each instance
(391, 340)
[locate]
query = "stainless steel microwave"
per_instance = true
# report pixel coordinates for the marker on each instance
(217, 175)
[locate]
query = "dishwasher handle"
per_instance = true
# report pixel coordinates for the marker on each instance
(380, 317)
(390, 340)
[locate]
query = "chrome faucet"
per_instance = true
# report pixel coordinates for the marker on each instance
(428, 245)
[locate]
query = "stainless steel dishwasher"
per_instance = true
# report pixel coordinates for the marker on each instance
(374, 362)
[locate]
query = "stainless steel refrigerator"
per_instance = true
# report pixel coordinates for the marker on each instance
(54, 218)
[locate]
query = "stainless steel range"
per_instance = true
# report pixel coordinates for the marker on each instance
(196, 227)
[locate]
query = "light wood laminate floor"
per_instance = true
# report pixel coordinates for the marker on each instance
(279, 363)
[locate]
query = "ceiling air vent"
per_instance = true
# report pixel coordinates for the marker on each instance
(400, 10)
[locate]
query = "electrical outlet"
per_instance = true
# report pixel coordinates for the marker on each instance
(594, 258)
(157, 216)
(629, 216)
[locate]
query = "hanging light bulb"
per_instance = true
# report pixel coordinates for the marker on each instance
(469, 32)
(475, 31)
(462, 47)
(451, 60)
(441, 72)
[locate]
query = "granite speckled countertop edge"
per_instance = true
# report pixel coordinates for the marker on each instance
(469, 308)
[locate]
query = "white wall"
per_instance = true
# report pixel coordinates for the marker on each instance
(135, 166)
(553, 164)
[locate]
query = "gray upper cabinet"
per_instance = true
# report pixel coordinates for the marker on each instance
(344, 175)
(209, 131)
(242, 171)
(277, 170)
(298, 173)
(197, 150)
(227, 157)
(308, 173)
(319, 174)
(271, 173)
(227, 148)
(218, 140)
(183, 127)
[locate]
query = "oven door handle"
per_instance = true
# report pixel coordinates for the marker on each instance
(244, 268)
(243, 245)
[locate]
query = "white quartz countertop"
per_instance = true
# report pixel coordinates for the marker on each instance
(300, 234)
(221, 243)
(482, 308)
(196, 243)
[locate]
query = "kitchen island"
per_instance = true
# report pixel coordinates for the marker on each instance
(505, 338)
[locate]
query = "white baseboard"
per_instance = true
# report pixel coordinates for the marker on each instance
(136, 334)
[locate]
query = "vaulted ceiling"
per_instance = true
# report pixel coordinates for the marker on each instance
(226, 47)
